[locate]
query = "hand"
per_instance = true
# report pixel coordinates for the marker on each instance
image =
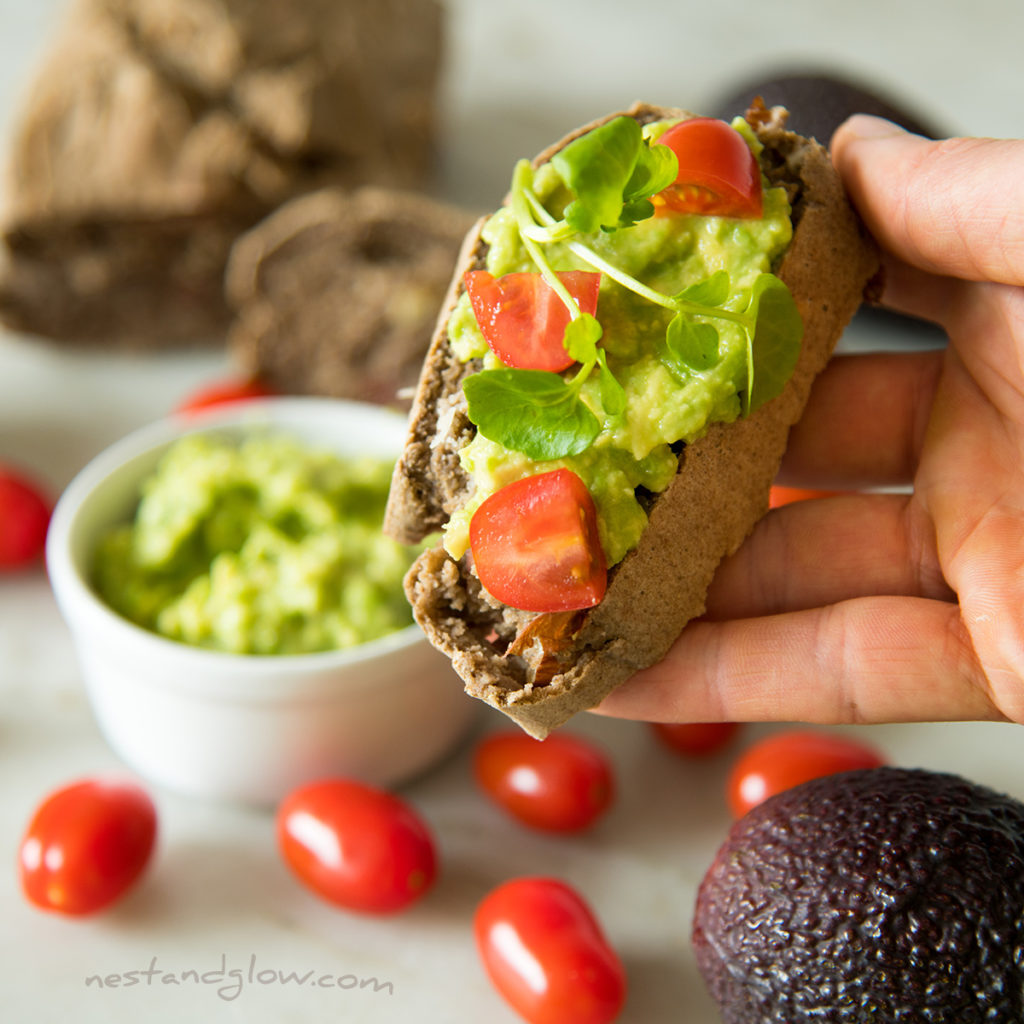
(889, 606)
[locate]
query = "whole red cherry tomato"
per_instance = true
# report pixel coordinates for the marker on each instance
(86, 845)
(523, 320)
(223, 392)
(718, 173)
(786, 759)
(695, 739)
(24, 518)
(561, 784)
(536, 546)
(546, 953)
(357, 846)
(787, 495)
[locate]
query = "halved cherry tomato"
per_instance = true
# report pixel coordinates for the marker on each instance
(535, 544)
(561, 784)
(695, 739)
(86, 845)
(523, 320)
(546, 953)
(787, 495)
(224, 392)
(718, 173)
(357, 846)
(24, 519)
(786, 759)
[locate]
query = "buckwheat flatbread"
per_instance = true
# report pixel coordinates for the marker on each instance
(541, 667)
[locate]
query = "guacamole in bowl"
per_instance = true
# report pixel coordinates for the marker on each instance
(262, 544)
(255, 525)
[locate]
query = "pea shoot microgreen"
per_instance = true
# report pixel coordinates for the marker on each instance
(612, 172)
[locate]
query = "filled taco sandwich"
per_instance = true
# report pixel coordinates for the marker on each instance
(606, 400)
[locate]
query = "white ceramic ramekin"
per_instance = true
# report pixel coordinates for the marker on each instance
(240, 727)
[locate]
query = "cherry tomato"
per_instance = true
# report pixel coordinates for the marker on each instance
(560, 784)
(86, 845)
(24, 518)
(786, 759)
(718, 173)
(223, 392)
(695, 739)
(546, 953)
(356, 846)
(523, 320)
(535, 544)
(787, 495)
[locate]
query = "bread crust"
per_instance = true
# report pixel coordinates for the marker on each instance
(719, 493)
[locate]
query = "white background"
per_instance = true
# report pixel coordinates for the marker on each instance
(518, 76)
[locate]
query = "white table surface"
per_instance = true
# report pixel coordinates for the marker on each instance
(217, 897)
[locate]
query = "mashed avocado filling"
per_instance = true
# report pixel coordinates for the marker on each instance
(260, 547)
(725, 262)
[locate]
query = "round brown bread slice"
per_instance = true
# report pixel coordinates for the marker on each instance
(542, 669)
(336, 292)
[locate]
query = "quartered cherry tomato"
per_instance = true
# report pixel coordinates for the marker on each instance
(786, 759)
(535, 544)
(561, 784)
(86, 845)
(357, 846)
(787, 495)
(224, 392)
(24, 519)
(695, 739)
(523, 320)
(546, 953)
(718, 173)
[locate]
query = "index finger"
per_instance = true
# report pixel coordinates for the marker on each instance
(869, 659)
(953, 207)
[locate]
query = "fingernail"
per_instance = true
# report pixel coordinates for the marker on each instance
(867, 126)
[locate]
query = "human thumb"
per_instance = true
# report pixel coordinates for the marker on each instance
(953, 207)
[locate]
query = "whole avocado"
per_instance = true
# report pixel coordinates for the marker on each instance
(883, 895)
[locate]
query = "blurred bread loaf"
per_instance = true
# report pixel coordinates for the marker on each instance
(156, 131)
(336, 293)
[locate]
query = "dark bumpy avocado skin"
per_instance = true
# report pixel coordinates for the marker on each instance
(888, 895)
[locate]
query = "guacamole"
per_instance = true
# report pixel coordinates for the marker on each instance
(263, 546)
(636, 449)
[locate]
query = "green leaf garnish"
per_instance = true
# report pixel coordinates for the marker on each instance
(582, 334)
(597, 167)
(775, 339)
(656, 168)
(633, 211)
(613, 171)
(690, 345)
(712, 291)
(613, 394)
(531, 411)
